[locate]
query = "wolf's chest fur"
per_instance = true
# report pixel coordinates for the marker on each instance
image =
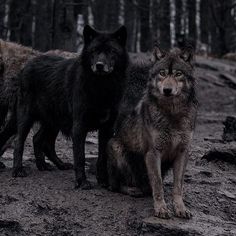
(169, 133)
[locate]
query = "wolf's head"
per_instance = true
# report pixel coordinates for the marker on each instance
(104, 52)
(171, 74)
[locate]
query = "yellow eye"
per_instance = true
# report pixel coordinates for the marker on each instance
(162, 73)
(179, 73)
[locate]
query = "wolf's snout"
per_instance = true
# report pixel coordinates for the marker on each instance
(100, 66)
(167, 91)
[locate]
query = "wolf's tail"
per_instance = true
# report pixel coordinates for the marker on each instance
(9, 128)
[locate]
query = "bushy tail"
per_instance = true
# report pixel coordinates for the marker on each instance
(9, 101)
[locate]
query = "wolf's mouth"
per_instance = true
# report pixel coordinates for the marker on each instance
(101, 71)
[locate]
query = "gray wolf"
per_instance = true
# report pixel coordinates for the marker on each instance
(155, 127)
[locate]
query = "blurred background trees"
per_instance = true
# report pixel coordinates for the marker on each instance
(210, 25)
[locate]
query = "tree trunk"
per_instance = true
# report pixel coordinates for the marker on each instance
(99, 14)
(2, 16)
(130, 18)
(43, 25)
(204, 21)
(112, 19)
(64, 25)
(86, 12)
(20, 21)
(155, 21)
(192, 28)
(165, 24)
(178, 22)
(145, 37)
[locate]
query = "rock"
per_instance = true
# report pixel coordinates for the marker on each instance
(206, 173)
(173, 227)
(10, 225)
(226, 155)
(227, 194)
(229, 79)
(229, 133)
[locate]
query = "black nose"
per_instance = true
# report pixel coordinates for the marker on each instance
(167, 91)
(100, 66)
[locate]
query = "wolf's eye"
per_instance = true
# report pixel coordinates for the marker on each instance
(179, 73)
(162, 73)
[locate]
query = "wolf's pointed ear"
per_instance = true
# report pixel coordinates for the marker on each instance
(121, 35)
(89, 34)
(187, 53)
(157, 54)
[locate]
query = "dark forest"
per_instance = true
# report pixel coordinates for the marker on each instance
(48, 24)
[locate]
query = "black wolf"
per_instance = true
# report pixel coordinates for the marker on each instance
(154, 127)
(74, 96)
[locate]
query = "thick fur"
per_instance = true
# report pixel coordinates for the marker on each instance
(74, 96)
(13, 58)
(154, 128)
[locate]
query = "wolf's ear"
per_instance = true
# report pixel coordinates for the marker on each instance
(187, 53)
(89, 34)
(121, 35)
(157, 54)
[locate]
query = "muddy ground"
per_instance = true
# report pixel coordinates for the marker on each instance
(46, 203)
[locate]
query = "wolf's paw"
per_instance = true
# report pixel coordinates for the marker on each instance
(83, 184)
(183, 213)
(180, 208)
(43, 166)
(19, 172)
(2, 166)
(161, 211)
(65, 166)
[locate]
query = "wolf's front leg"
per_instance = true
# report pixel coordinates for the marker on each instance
(153, 163)
(104, 135)
(78, 137)
(179, 169)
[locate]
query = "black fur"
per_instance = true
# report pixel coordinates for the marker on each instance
(74, 96)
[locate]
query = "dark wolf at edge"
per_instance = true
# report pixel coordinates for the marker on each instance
(74, 96)
(154, 130)
(13, 57)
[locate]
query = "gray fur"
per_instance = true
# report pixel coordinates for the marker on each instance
(156, 126)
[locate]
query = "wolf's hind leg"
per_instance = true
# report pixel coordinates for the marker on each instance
(117, 165)
(49, 150)
(153, 163)
(38, 141)
(115, 157)
(178, 170)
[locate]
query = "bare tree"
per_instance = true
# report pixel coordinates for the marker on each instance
(2, 16)
(155, 28)
(165, 41)
(106, 14)
(130, 19)
(204, 21)
(224, 23)
(178, 21)
(20, 21)
(145, 32)
(64, 25)
(43, 25)
(192, 28)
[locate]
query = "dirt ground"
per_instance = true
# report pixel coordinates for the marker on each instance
(46, 203)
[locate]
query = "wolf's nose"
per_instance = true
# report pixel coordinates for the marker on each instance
(100, 66)
(167, 91)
